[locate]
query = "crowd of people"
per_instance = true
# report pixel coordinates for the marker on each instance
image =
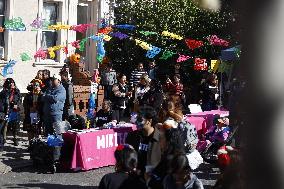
(155, 155)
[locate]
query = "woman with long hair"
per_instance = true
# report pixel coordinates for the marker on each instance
(171, 143)
(10, 99)
(125, 176)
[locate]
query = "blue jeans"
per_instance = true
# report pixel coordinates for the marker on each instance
(48, 122)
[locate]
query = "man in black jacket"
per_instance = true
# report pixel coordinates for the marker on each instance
(68, 105)
(145, 140)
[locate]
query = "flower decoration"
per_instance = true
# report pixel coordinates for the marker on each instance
(193, 44)
(171, 35)
(106, 30)
(143, 44)
(107, 37)
(25, 57)
(76, 44)
(15, 24)
(51, 52)
(119, 35)
(166, 55)
(38, 23)
(148, 33)
(215, 40)
(82, 28)
(59, 26)
(65, 50)
(8, 68)
(41, 54)
(183, 58)
(125, 26)
(153, 52)
(214, 65)
(200, 64)
(83, 44)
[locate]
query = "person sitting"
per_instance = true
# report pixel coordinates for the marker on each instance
(145, 139)
(180, 175)
(104, 115)
(217, 134)
(171, 143)
(125, 176)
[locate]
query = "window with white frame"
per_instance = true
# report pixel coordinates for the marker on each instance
(50, 13)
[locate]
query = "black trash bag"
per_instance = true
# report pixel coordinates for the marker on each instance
(77, 122)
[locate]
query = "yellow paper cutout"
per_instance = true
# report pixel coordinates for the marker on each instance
(59, 26)
(215, 65)
(143, 44)
(107, 37)
(171, 35)
(51, 52)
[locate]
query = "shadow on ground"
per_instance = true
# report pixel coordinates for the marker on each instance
(45, 186)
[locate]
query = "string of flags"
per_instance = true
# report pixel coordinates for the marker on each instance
(106, 34)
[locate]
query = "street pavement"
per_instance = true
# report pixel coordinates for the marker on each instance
(17, 172)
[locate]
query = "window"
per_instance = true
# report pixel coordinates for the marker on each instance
(50, 13)
(2, 19)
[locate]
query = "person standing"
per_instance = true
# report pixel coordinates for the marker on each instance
(153, 97)
(68, 105)
(47, 81)
(145, 139)
(121, 96)
(108, 80)
(142, 88)
(209, 93)
(152, 72)
(54, 99)
(136, 75)
(10, 99)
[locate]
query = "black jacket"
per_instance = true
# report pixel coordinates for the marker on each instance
(154, 151)
(153, 99)
(69, 94)
(118, 101)
(5, 104)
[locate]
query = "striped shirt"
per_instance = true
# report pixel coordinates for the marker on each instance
(135, 76)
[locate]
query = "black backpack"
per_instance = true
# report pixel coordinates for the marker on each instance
(77, 122)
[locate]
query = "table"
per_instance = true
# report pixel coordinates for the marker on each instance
(89, 150)
(204, 120)
(200, 124)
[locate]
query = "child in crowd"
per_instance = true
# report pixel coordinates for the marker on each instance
(125, 176)
(180, 175)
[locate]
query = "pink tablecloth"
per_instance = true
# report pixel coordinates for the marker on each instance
(200, 124)
(93, 149)
(208, 116)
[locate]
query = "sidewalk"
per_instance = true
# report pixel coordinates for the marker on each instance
(14, 157)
